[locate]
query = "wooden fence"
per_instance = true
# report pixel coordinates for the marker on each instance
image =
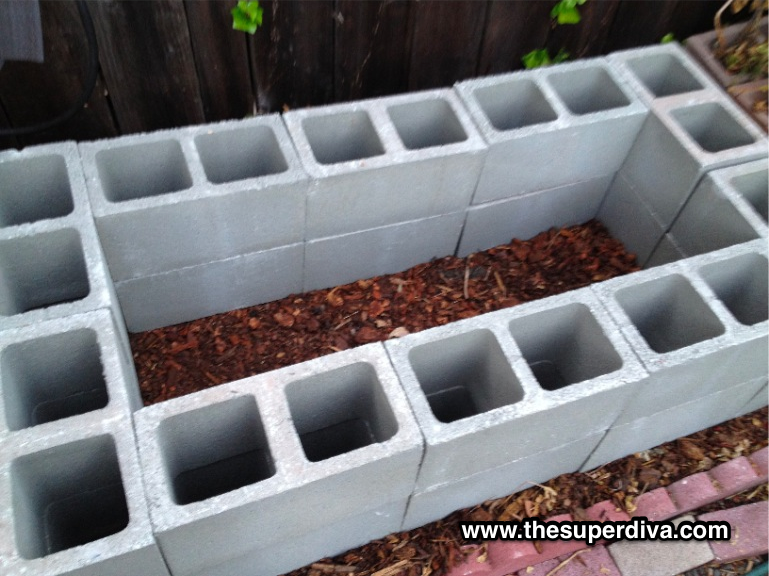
(169, 63)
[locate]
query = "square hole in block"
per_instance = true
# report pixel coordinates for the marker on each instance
(514, 104)
(465, 375)
(239, 154)
(214, 450)
(755, 189)
(588, 90)
(67, 496)
(564, 346)
(712, 127)
(342, 137)
(142, 170)
(427, 123)
(669, 313)
(41, 270)
(741, 284)
(339, 411)
(50, 378)
(664, 75)
(34, 189)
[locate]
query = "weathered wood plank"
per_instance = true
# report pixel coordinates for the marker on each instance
(292, 54)
(147, 62)
(512, 30)
(447, 42)
(221, 60)
(6, 141)
(640, 22)
(372, 45)
(589, 36)
(33, 93)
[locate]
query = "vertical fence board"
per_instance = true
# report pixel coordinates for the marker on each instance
(147, 61)
(447, 42)
(512, 30)
(6, 141)
(372, 45)
(292, 55)
(221, 60)
(589, 37)
(33, 93)
(640, 22)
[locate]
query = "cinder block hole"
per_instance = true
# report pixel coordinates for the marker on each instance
(755, 189)
(239, 154)
(712, 127)
(514, 104)
(53, 377)
(41, 270)
(564, 346)
(664, 75)
(67, 496)
(340, 411)
(669, 313)
(34, 189)
(741, 284)
(587, 90)
(427, 123)
(142, 170)
(465, 375)
(214, 450)
(342, 137)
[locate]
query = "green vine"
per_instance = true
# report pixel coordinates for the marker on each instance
(564, 12)
(247, 16)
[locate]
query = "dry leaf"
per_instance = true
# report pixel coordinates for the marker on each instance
(399, 332)
(285, 320)
(334, 299)
(690, 449)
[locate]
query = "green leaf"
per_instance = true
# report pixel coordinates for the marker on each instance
(536, 58)
(566, 11)
(668, 38)
(247, 16)
(561, 56)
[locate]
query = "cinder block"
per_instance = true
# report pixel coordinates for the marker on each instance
(51, 264)
(72, 503)
(385, 161)
(665, 252)
(61, 372)
(439, 501)
(539, 373)
(303, 549)
(548, 128)
(758, 401)
(180, 198)
(494, 223)
(683, 138)
(683, 334)
(199, 291)
(680, 420)
(341, 259)
(237, 468)
(629, 219)
(661, 71)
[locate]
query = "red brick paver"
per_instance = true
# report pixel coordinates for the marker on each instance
(735, 476)
(655, 505)
(594, 561)
(749, 531)
(693, 492)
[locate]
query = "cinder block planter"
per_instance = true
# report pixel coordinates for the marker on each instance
(385, 161)
(176, 199)
(244, 467)
(263, 475)
(51, 263)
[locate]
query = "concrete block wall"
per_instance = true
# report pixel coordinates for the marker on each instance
(266, 474)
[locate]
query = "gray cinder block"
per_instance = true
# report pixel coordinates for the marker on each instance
(301, 446)
(683, 138)
(684, 333)
(548, 128)
(661, 71)
(63, 371)
(341, 259)
(439, 501)
(51, 264)
(665, 252)
(198, 291)
(698, 413)
(523, 217)
(758, 401)
(385, 161)
(72, 503)
(539, 373)
(180, 198)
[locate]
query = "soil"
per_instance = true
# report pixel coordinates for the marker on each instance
(184, 358)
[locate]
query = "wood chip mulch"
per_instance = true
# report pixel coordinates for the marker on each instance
(187, 357)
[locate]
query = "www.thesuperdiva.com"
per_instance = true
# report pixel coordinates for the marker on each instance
(590, 531)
